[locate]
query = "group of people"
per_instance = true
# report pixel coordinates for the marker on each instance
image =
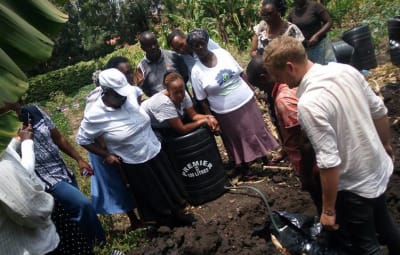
(332, 127)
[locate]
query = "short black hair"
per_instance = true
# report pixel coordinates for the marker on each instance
(145, 34)
(115, 61)
(254, 69)
(171, 36)
(280, 5)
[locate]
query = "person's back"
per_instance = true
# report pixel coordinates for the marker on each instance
(25, 208)
(339, 95)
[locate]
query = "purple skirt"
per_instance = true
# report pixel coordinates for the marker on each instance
(245, 134)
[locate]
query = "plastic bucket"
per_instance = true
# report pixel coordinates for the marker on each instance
(364, 52)
(343, 51)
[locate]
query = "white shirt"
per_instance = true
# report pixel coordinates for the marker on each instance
(191, 60)
(222, 85)
(25, 208)
(336, 109)
(160, 108)
(126, 131)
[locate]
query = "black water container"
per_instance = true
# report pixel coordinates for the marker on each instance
(364, 52)
(198, 162)
(394, 39)
(343, 51)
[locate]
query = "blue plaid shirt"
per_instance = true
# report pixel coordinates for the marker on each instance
(49, 165)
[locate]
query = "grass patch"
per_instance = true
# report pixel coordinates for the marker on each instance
(66, 112)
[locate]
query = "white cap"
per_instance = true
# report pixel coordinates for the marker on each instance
(114, 79)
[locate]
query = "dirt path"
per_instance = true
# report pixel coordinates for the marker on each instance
(225, 225)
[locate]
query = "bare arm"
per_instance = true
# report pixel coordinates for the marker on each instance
(211, 120)
(178, 126)
(383, 128)
(139, 77)
(326, 19)
(329, 182)
(254, 44)
(103, 152)
(67, 148)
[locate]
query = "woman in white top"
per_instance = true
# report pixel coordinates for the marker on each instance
(25, 208)
(217, 78)
(134, 149)
(169, 108)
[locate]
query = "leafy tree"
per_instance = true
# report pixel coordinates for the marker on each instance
(230, 21)
(24, 25)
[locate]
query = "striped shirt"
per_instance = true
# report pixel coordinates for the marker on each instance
(49, 166)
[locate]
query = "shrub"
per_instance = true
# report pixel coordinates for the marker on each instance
(69, 79)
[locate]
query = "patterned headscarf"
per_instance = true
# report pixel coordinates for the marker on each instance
(197, 34)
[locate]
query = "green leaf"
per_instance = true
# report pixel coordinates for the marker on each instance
(22, 36)
(8, 64)
(11, 87)
(39, 13)
(9, 125)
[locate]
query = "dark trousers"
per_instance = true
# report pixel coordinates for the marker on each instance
(157, 189)
(362, 222)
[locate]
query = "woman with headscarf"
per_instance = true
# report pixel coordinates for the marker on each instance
(314, 22)
(134, 149)
(272, 26)
(219, 86)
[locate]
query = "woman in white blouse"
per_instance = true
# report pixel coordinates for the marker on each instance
(172, 108)
(133, 147)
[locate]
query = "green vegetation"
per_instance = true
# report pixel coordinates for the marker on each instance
(347, 14)
(69, 79)
(66, 113)
(24, 26)
(62, 92)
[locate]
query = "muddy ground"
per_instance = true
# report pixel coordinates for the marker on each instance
(226, 225)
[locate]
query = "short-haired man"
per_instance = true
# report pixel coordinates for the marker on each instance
(282, 102)
(348, 128)
(151, 69)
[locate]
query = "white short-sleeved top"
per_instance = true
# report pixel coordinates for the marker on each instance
(126, 130)
(336, 109)
(222, 84)
(160, 108)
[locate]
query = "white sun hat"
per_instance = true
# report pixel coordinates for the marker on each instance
(114, 79)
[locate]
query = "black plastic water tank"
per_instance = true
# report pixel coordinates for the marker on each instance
(364, 51)
(343, 51)
(198, 162)
(394, 39)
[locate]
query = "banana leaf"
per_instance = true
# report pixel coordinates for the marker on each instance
(25, 26)
(9, 125)
(39, 13)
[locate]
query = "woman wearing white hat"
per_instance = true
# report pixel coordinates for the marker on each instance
(132, 145)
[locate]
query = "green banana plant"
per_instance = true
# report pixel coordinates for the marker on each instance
(25, 26)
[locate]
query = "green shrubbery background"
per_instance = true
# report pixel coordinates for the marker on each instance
(71, 78)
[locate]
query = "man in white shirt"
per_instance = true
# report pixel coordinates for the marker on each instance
(348, 127)
(25, 208)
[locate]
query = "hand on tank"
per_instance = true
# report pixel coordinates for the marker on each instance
(212, 123)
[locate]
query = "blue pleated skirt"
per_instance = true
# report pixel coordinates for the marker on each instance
(108, 191)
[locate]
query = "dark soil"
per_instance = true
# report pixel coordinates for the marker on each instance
(226, 225)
